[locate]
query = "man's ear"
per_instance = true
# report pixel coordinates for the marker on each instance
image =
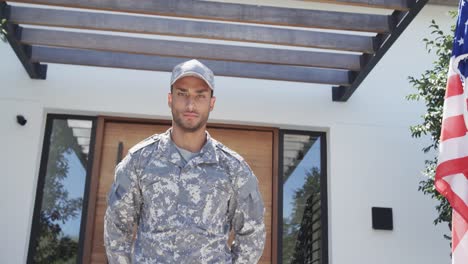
(212, 103)
(169, 100)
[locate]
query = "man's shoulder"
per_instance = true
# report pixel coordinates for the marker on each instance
(145, 143)
(228, 153)
(235, 164)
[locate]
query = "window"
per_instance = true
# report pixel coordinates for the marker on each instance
(303, 212)
(60, 207)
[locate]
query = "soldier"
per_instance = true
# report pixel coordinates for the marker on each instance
(183, 190)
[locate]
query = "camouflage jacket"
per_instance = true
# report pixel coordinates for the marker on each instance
(183, 213)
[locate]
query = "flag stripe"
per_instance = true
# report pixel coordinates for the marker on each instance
(457, 183)
(453, 148)
(453, 127)
(453, 166)
(454, 86)
(460, 253)
(454, 105)
(459, 238)
(444, 188)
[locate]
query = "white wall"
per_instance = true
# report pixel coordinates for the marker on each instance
(373, 161)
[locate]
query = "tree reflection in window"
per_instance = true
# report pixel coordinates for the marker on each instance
(58, 223)
(302, 232)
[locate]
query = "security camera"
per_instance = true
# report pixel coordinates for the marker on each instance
(21, 120)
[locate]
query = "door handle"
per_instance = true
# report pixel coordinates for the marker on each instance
(119, 152)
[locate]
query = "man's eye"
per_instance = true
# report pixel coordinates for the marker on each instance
(201, 96)
(181, 94)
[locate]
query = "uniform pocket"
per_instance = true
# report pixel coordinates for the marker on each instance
(215, 209)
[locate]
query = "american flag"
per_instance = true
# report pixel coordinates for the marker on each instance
(451, 178)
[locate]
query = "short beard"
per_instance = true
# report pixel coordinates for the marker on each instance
(188, 129)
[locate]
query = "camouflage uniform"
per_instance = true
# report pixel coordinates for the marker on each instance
(184, 213)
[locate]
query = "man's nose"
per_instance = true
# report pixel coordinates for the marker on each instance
(190, 102)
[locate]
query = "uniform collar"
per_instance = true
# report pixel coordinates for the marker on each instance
(168, 150)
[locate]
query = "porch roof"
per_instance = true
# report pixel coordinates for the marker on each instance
(251, 41)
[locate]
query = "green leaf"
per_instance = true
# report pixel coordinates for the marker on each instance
(430, 89)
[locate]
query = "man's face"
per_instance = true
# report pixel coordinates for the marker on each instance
(191, 102)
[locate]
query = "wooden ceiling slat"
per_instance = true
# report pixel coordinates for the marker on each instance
(23, 52)
(235, 12)
(402, 5)
(35, 70)
(158, 63)
(343, 93)
(187, 28)
(189, 49)
(345, 71)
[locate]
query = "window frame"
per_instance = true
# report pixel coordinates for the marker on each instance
(323, 191)
(41, 182)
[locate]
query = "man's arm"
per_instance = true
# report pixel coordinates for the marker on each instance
(248, 224)
(123, 209)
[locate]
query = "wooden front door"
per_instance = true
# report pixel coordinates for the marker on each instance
(256, 146)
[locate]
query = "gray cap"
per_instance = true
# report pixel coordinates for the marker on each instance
(193, 68)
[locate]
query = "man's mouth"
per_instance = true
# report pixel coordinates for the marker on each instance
(190, 114)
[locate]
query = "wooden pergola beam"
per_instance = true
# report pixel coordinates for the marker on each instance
(343, 93)
(206, 19)
(23, 52)
(401, 5)
(235, 12)
(188, 28)
(189, 49)
(159, 63)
